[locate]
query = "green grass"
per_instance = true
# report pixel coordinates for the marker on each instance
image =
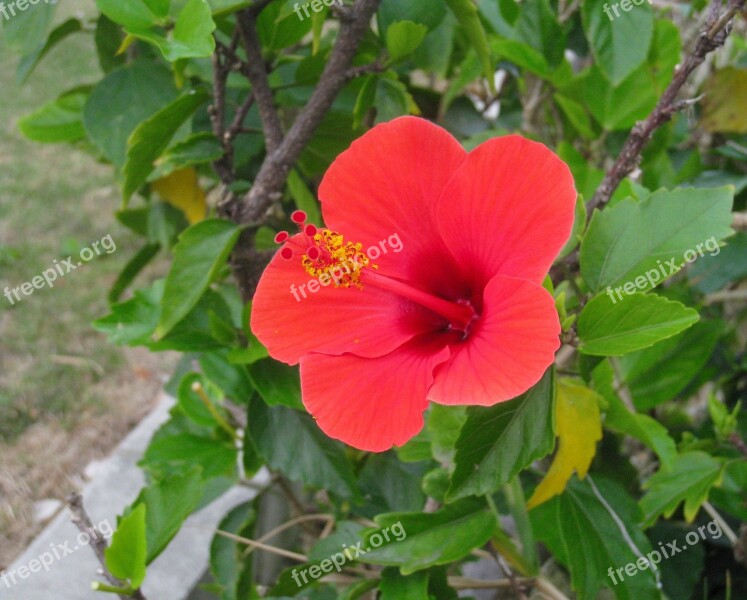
(54, 200)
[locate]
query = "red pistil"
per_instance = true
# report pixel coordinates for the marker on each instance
(460, 316)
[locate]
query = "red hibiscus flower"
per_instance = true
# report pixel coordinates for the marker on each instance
(425, 285)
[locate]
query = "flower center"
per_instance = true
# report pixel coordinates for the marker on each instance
(326, 256)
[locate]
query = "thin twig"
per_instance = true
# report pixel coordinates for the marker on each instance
(723, 525)
(267, 548)
(739, 295)
(288, 524)
(712, 36)
(98, 542)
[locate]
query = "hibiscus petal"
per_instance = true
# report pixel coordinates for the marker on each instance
(508, 349)
(508, 210)
(371, 403)
(387, 184)
(292, 321)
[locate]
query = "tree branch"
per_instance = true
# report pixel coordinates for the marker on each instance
(83, 522)
(712, 36)
(274, 171)
(256, 72)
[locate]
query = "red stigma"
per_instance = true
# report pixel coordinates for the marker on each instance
(313, 253)
(282, 237)
(286, 253)
(298, 217)
(310, 230)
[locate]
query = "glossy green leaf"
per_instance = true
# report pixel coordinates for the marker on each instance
(689, 480)
(198, 258)
(426, 12)
(152, 137)
(394, 586)
(278, 384)
(609, 30)
(312, 457)
(497, 442)
(135, 14)
(121, 101)
(403, 37)
(228, 565)
(659, 373)
(28, 62)
(468, 17)
(431, 539)
(191, 37)
(26, 30)
(629, 245)
(58, 121)
(168, 502)
(126, 554)
(612, 326)
(593, 537)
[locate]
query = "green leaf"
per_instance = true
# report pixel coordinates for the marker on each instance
(125, 556)
(192, 36)
(444, 426)
(709, 275)
(152, 137)
(403, 37)
(398, 587)
(229, 566)
(28, 63)
(131, 270)
(591, 539)
(577, 115)
(426, 12)
(135, 14)
(689, 480)
(169, 501)
(609, 326)
(58, 121)
(618, 107)
(197, 149)
(609, 36)
(431, 539)
(312, 458)
(199, 256)
(173, 454)
(109, 38)
(499, 441)
(468, 17)
(537, 26)
(659, 373)
(388, 484)
(621, 419)
(26, 31)
(631, 240)
(392, 99)
(122, 100)
(278, 384)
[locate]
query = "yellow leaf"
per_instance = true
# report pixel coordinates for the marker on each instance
(579, 428)
(182, 190)
(724, 102)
